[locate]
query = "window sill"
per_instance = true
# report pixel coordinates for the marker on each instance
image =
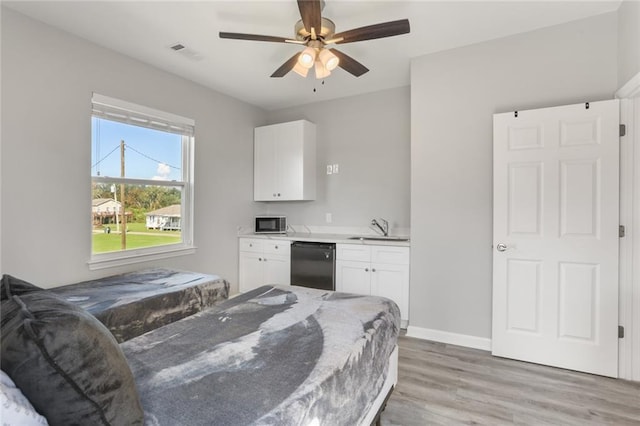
(112, 260)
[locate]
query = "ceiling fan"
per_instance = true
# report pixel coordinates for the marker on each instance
(316, 33)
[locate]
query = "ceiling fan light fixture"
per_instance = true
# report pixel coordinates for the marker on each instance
(300, 70)
(321, 71)
(307, 57)
(328, 59)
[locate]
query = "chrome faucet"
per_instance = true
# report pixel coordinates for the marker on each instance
(384, 227)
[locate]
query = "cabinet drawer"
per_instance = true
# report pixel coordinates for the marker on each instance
(282, 247)
(390, 254)
(251, 245)
(353, 252)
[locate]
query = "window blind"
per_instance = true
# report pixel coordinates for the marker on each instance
(138, 115)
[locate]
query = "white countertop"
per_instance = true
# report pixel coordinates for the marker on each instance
(326, 238)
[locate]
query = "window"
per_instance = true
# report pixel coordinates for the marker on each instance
(141, 181)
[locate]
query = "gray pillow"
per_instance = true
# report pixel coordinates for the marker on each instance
(66, 362)
(10, 286)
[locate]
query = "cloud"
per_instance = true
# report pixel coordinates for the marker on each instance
(163, 172)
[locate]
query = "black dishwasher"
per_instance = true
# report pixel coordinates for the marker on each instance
(313, 265)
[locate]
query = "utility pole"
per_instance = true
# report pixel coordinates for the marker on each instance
(116, 213)
(122, 206)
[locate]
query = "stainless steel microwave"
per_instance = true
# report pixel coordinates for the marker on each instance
(271, 225)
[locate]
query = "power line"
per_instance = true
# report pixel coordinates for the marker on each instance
(105, 157)
(151, 158)
(135, 150)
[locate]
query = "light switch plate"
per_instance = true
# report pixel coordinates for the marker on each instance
(329, 169)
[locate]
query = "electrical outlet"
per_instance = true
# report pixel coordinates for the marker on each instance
(335, 169)
(329, 169)
(328, 218)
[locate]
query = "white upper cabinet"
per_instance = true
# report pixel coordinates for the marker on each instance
(285, 162)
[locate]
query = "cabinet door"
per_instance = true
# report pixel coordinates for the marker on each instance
(353, 252)
(390, 254)
(290, 177)
(277, 269)
(265, 162)
(248, 244)
(392, 282)
(353, 277)
(277, 247)
(251, 273)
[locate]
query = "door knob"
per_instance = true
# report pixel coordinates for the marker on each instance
(501, 247)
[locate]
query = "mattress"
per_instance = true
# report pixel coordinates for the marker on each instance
(277, 355)
(133, 303)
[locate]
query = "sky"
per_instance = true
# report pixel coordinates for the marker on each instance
(149, 154)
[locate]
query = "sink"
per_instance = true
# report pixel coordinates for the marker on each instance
(379, 238)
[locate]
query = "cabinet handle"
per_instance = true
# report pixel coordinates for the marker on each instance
(265, 259)
(276, 247)
(373, 269)
(274, 194)
(259, 259)
(278, 194)
(366, 269)
(250, 245)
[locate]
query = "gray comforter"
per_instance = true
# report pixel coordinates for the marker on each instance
(132, 304)
(272, 356)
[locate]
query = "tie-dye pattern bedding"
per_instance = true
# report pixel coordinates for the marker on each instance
(277, 355)
(132, 304)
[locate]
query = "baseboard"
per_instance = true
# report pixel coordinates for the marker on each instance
(451, 338)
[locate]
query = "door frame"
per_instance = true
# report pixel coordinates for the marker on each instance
(629, 281)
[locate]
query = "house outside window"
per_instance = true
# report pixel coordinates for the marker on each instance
(142, 183)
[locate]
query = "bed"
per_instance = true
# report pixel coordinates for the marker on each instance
(277, 355)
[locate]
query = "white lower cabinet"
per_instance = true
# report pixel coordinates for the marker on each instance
(263, 262)
(375, 270)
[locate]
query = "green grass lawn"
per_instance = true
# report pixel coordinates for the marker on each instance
(137, 237)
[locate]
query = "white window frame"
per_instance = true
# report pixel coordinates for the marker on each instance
(138, 115)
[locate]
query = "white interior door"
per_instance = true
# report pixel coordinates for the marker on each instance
(555, 229)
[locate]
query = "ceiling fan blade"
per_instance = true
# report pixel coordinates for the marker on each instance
(255, 37)
(370, 32)
(349, 64)
(310, 11)
(286, 67)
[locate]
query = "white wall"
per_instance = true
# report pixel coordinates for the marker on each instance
(1, 153)
(628, 40)
(453, 97)
(48, 77)
(368, 136)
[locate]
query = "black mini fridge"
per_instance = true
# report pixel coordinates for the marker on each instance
(313, 265)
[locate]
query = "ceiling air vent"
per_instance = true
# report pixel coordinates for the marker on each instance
(186, 52)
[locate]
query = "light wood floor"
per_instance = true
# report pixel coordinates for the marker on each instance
(443, 384)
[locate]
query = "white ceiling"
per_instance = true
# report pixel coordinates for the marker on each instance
(145, 29)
